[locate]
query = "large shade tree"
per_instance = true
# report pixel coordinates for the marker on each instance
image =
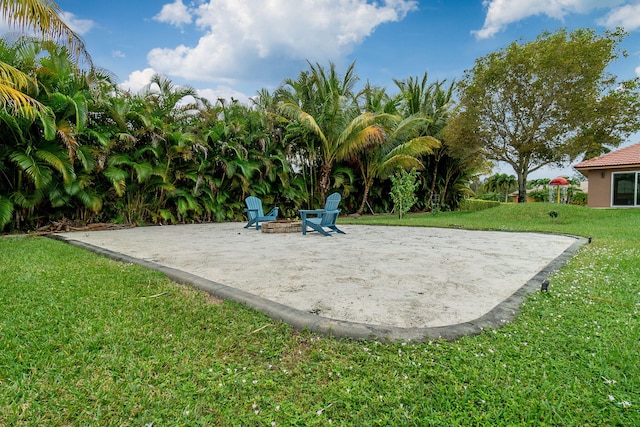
(547, 101)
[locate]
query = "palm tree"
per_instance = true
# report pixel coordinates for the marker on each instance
(44, 17)
(501, 182)
(402, 148)
(434, 102)
(332, 118)
(41, 148)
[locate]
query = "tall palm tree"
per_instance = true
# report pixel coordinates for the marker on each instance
(43, 16)
(402, 148)
(434, 102)
(501, 183)
(333, 119)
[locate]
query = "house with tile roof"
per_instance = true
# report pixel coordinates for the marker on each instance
(614, 178)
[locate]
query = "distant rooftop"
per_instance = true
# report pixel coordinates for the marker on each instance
(623, 157)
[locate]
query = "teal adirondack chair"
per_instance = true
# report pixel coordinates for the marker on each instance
(255, 214)
(324, 218)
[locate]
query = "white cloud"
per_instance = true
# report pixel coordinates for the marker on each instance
(118, 54)
(501, 13)
(79, 26)
(175, 13)
(242, 35)
(627, 16)
(137, 80)
(141, 78)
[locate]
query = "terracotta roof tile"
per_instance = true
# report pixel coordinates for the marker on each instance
(623, 157)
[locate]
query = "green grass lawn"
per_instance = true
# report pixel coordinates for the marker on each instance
(93, 342)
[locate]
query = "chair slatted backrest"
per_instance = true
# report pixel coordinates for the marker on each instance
(331, 207)
(332, 202)
(254, 206)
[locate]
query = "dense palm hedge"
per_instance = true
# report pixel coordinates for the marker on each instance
(93, 153)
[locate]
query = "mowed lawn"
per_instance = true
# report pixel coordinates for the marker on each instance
(86, 341)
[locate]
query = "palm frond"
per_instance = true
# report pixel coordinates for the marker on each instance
(404, 161)
(417, 146)
(6, 211)
(56, 158)
(13, 99)
(44, 17)
(39, 175)
(118, 178)
(351, 146)
(292, 111)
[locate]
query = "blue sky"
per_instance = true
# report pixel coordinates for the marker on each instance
(228, 48)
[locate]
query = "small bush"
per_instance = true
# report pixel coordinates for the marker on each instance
(403, 190)
(477, 205)
(538, 195)
(579, 198)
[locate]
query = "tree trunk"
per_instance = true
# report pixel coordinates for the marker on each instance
(325, 172)
(522, 187)
(434, 179)
(367, 187)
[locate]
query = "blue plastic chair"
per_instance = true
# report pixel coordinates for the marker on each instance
(255, 214)
(324, 218)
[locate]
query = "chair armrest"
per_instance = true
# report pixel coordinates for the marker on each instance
(273, 211)
(305, 212)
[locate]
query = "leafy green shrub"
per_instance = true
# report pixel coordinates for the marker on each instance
(477, 204)
(579, 198)
(496, 197)
(403, 190)
(539, 195)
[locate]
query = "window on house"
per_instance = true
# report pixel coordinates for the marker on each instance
(626, 189)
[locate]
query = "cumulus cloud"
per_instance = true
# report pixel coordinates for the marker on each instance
(141, 78)
(175, 13)
(78, 25)
(137, 80)
(627, 16)
(501, 13)
(241, 35)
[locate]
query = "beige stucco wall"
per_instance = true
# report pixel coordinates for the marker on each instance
(600, 186)
(599, 189)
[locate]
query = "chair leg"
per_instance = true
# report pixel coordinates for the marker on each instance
(319, 229)
(336, 229)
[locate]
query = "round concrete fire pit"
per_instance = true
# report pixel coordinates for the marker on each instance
(281, 226)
